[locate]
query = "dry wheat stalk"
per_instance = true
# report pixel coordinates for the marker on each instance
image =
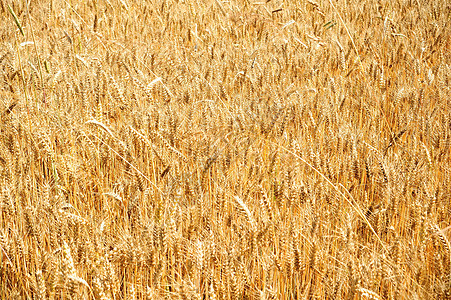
(117, 156)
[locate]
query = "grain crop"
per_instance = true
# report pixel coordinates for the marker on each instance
(177, 149)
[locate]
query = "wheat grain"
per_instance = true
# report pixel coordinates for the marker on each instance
(129, 128)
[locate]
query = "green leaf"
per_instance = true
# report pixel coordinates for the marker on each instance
(16, 20)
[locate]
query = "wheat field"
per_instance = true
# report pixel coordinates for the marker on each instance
(225, 149)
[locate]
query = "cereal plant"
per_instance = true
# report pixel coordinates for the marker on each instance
(177, 149)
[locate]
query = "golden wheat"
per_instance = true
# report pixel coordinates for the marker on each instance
(225, 149)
